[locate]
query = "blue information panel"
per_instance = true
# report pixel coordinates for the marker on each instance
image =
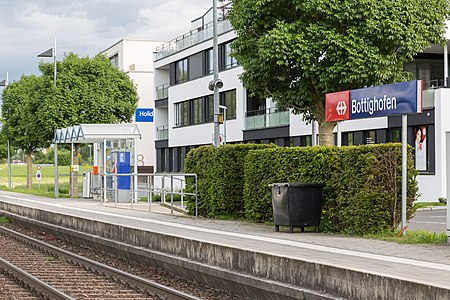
(144, 114)
(123, 167)
(377, 101)
(390, 99)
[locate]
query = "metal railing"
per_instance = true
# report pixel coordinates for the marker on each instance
(162, 91)
(146, 189)
(191, 38)
(162, 133)
(263, 118)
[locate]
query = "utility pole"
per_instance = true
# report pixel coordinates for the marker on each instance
(216, 77)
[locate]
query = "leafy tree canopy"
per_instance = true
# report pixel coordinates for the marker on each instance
(87, 91)
(296, 51)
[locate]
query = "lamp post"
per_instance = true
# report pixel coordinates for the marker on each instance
(52, 53)
(216, 77)
(4, 83)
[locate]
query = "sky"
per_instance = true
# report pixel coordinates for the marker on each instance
(85, 27)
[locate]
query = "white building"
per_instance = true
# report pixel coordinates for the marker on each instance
(184, 107)
(135, 57)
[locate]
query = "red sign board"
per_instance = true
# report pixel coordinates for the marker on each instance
(337, 106)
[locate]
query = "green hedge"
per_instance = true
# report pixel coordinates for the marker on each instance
(220, 178)
(362, 184)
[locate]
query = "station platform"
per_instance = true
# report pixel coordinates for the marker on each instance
(253, 259)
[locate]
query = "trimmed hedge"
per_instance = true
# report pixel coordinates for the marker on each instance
(362, 184)
(220, 178)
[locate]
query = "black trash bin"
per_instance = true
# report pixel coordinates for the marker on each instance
(297, 204)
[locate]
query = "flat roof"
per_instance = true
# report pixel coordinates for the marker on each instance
(95, 133)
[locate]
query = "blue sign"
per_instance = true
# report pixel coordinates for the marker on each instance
(386, 100)
(144, 115)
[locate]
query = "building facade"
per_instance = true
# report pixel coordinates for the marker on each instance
(135, 57)
(184, 107)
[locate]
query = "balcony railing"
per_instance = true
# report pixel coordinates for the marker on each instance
(162, 133)
(191, 38)
(271, 117)
(162, 91)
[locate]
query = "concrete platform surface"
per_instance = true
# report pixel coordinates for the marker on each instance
(427, 265)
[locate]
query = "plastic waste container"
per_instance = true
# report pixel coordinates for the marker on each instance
(297, 204)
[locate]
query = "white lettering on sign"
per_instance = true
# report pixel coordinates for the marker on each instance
(146, 113)
(371, 105)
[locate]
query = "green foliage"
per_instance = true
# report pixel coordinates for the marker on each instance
(442, 200)
(297, 51)
(411, 237)
(362, 185)
(220, 178)
(4, 220)
(49, 157)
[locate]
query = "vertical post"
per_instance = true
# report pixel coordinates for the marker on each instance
(54, 62)
(71, 171)
(404, 168)
(135, 171)
(447, 179)
(55, 171)
(171, 193)
(225, 125)
(196, 195)
(9, 165)
(446, 63)
(338, 134)
(104, 170)
(313, 133)
(216, 76)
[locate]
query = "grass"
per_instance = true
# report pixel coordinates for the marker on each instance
(411, 237)
(4, 220)
(428, 204)
(44, 187)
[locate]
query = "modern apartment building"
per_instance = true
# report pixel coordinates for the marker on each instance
(184, 107)
(135, 57)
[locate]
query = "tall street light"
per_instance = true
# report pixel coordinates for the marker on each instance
(52, 53)
(216, 84)
(4, 83)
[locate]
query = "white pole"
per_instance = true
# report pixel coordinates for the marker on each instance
(135, 170)
(9, 146)
(339, 134)
(216, 77)
(55, 171)
(313, 133)
(104, 170)
(54, 61)
(446, 63)
(404, 168)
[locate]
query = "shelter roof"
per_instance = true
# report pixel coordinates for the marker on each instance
(95, 133)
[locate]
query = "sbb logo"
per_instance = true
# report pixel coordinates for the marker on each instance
(337, 106)
(341, 108)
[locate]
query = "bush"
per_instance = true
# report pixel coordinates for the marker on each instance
(362, 184)
(220, 178)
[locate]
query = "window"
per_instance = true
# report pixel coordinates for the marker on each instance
(181, 71)
(209, 62)
(370, 137)
(115, 60)
(227, 60)
(209, 112)
(197, 111)
(228, 99)
(420, 148)
(182, 114)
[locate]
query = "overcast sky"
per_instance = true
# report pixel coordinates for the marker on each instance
(86, 27)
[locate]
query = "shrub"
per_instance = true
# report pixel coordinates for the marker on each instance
(362, 184)
(220, 178)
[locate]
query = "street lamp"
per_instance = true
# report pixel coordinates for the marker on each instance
(5, 83)
(224, 123)
(216, 79)
(52, 53)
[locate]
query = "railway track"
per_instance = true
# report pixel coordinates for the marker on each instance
(55, 273)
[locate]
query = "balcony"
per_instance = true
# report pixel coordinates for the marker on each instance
(265, 118)
(191, 38)
(162, 133)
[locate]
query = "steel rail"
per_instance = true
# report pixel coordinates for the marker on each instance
(33, 282)
(141, 283)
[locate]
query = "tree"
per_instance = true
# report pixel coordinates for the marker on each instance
(22, 124)
(88, 90)
(296, 51)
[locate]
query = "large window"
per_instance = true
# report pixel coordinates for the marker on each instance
(228, 99)
(209, 62)
(201, 110)
(227, 60)
(114, 60)
(181, 74)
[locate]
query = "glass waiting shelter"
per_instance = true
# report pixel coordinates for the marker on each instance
(115, 156)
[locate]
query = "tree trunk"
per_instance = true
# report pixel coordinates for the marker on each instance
(29, 171)
(326, 133)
